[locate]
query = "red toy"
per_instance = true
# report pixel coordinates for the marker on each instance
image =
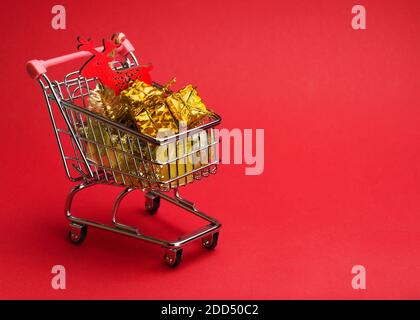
(99, 66)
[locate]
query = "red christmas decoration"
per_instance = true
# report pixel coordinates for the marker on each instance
(99, 66)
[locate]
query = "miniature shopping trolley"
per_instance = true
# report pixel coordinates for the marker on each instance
(71, 118)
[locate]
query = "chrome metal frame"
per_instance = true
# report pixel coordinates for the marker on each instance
(68, 97)
(131, 231)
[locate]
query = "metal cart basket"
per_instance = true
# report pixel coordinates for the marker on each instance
(96, 150)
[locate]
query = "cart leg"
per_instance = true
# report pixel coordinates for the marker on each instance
(116, 206)
(209, 234)
(71, 195)
(78, 231)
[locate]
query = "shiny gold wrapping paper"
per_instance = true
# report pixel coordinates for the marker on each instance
(186, 106)
(106, 149)
(176, 154)
(155, 113)
(104, 102)
(148, 109)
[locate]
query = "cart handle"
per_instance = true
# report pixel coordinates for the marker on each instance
(37, 67)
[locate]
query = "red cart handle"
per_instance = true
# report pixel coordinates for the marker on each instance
(37, 67)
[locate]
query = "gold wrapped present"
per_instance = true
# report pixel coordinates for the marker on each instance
(104, 102)
(148, 109)
(186, 106)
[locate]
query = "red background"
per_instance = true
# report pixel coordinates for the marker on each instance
(340, 109)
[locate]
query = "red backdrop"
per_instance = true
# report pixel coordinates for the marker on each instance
(340, 109)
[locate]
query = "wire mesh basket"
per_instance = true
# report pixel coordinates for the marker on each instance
(117, 154)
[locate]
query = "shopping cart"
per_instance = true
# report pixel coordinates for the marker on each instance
(130, 160)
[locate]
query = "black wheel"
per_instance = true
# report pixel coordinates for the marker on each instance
(210, 242)
(152, 203)
(172, 258)
(77, 237)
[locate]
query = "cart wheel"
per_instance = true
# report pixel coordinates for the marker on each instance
(77, 233)
(152, 203)
(210, 242)
(173, 257)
